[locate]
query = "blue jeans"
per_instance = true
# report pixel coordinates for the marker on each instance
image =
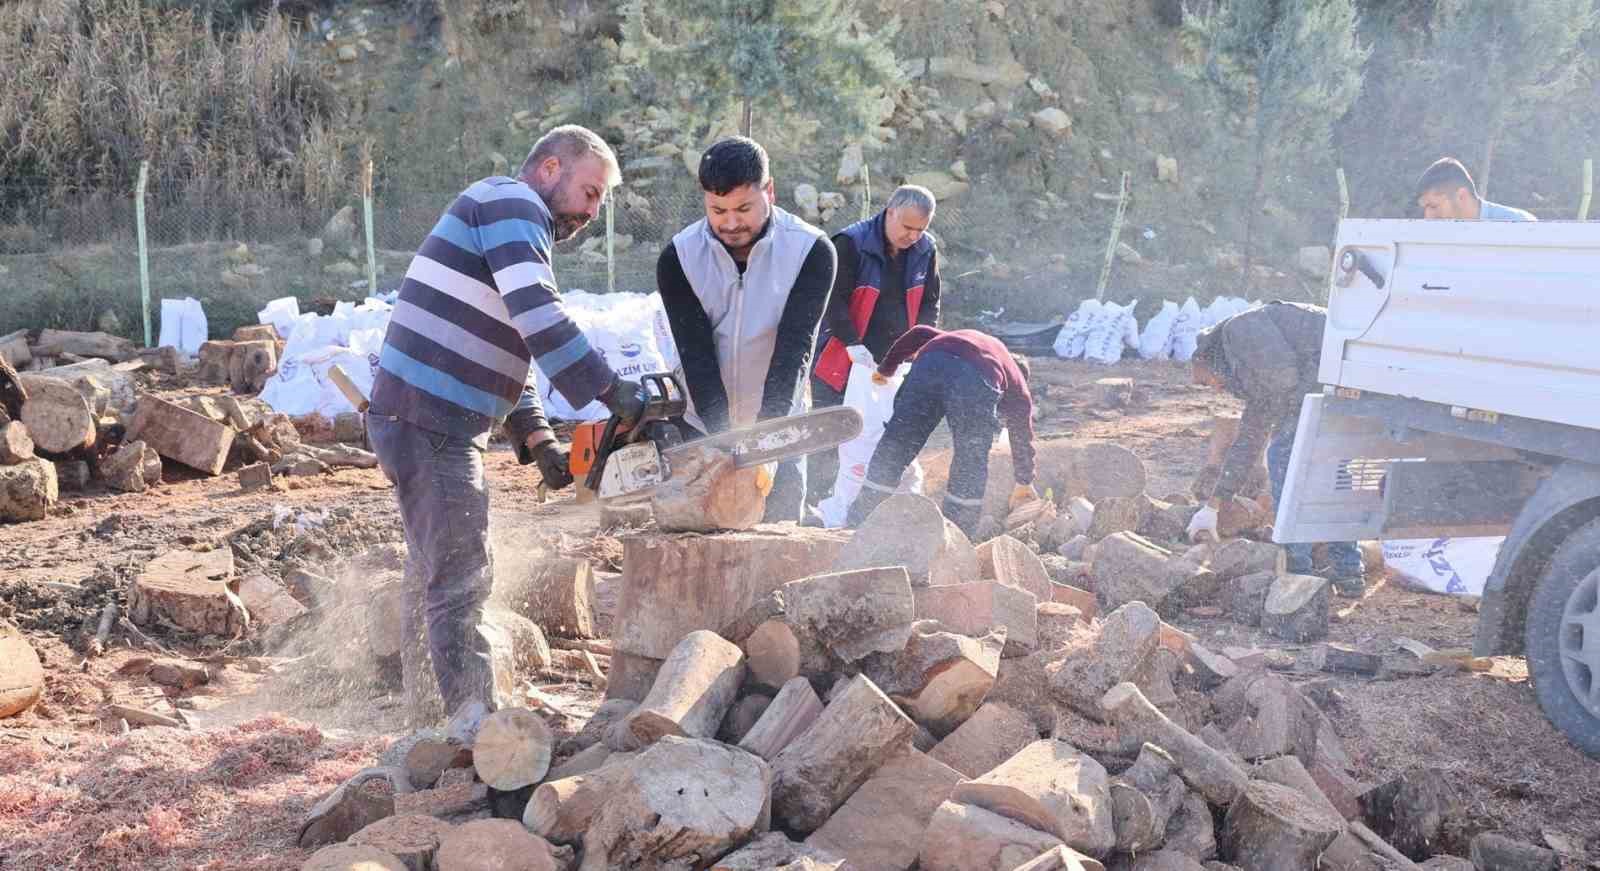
(1344, 555)
(938, 387)
(444, 506)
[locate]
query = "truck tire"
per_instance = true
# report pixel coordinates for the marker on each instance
(1563, 638)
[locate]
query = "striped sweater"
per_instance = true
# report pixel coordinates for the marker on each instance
(478, 303)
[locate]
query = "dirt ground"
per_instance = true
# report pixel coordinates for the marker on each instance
(287, 716)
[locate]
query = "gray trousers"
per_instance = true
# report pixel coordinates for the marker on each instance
(444, 505)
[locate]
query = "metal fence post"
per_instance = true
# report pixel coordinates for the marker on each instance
(866, 190)
(1116, 235)
(1588, 189)
(1344, 196)
(611, 246)
(366, 213)
(144, 251)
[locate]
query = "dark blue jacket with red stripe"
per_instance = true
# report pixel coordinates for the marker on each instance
(920, 278)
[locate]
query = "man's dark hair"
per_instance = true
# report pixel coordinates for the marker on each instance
(733, 163)
(1446, 174)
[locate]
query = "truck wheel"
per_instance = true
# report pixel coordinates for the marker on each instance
(1563, 638)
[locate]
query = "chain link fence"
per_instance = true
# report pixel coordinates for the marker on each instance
(71, 260)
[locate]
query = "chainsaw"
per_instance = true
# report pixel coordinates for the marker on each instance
(616, 461)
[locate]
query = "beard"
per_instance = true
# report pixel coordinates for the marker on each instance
(565, 221)
(566, 224)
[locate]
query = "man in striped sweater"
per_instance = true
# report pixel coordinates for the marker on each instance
(478, 303)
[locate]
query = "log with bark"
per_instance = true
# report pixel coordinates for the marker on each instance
(1191, 830)
(512, 749)
(1492, 851)
(1097, 661)
(1204, 768)
(1271, 827)
(706, 493)
(58, 418)
(857, 732)
(251, 364)
(825, 622)
(14, 353)
(1415, 811)
(883, 823)
(53, 343)
(695, 687)
(790, 713)
(119, 383)
(558, 594)
(191, 591)
(364, 799)
(561, 810)
(1050, 786)
(1129, 568)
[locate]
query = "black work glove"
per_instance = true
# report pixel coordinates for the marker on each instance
(552, 459)
(626, 400)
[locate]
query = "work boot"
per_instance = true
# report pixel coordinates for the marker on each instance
(1345, 584)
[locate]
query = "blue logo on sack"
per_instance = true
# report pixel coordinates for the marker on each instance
(630, 349)
(1441, 566)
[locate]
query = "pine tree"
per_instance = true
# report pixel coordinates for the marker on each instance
(720, 53)
(1302, 63)
(1502, 63)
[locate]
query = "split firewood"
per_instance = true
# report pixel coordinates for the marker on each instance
(1143, 799)
(558, 594)
(706, 493)
(1348, 853)
(58, 418)
(1271, 827)
(857, 732)
(1492, 851)
(250, 365)
(1343, 658)
(1414, 811)
(775, 850)
(182, 435)
(980, 607)
(354, 857)
(123, 469)
(427, 759)
(1241, 556)
(908, 530)
(16, 445)
(560, 810)
(1191, 830)
(1057, 624)
(1296, 608)
(790, 713)
(1097, 661)
(883, 822)
(411, 838)
(1129, 568)
(1245, 597)
(1288, 771)
(1270, 717)
(1115, 514)
(939, 678)
(1202, 767)
(1050, 786)
(993, 734)
(1009, 561)
(962, 837)
(646, 823)
(14, 352)
(1060, 859)
(693, 690)
(512, 749)
(834, 620)
(494, 845)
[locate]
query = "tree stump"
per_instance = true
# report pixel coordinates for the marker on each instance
(512, 749)
(858, 730)
(411, 838)
(791, 712)
(706, 493)
(27, 490)
(1296, 608)
(1271, 827)
(191, 591)
(494, 845)
(695, 687)
(15, 444)
(21, 674)
(354, 857)
(58, 419)
(1051, 787)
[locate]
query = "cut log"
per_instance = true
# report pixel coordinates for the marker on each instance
(362, 800)
(857, 732)
(516, 647)
(1271, 827)
(993, 734)
(411, 838)
(15, 444)
(120, 385)
(1296, 608)
(1102, 470)
(1343, 658)
(1096, 662)
(1274, 719)
(1211, 668)
(28, 490)
(1241, 556)
(1081, 599)
(774, 850)
(706, 493)
(153, 468)
(558, 594)
(1340, 788)
(53, 343)
(939, 678)
(962, 837)
(426, 755)
(561, 810)
(584, 761)
(257, 476)
(742, 717)
(981, 607)
(1165, 521)
(512, 749)
(1116, 514)
(1143, 800)
(1010, 562)
(1245, 597)
(1288, 771)
(1058, 624)
(182, 435)
(1205, 769)
(697, 684)
(1492, 851)
(648, 823)
(1128, 568)
(1028, 518)
(675, 584)
(215, 359)
(251, 364)
(14, 350)
(882, 825)
(908, 530)
(21, 673)
(191, 591)
(1052, 787)
(123, 469)
(1060, 859)
(1414, 811)
(494, 845)
(356, 857)
(843, 617)
(791, 712)
(1191, 830)
(58, 418)
(773, 654)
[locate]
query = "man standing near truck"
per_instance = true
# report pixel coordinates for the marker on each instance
(888, 282)
(744, 289)
(478, 303)
(1446, 191)
(1268, 357)
(970, 379)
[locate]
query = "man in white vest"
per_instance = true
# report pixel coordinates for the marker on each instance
(744, 290)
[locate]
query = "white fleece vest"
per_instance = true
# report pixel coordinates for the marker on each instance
(745, 309)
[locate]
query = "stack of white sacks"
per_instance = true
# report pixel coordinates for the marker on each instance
(1103, 331)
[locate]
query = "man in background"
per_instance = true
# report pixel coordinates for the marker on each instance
(744, 289)
(1446, 191)
(887, 283)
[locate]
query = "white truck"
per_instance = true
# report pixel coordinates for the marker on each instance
(1461, 373)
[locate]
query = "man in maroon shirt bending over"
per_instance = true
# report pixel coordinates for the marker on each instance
(970, 378)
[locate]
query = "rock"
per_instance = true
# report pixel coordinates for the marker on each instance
(883, 823)
(962, 837)
(21, 673)
(494, 845)
(944, 185)
(191, 591)
(806, 199)
(851, 161)
(958, 171)
(1314, 260)
(1053, 121)
(1166, 169)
